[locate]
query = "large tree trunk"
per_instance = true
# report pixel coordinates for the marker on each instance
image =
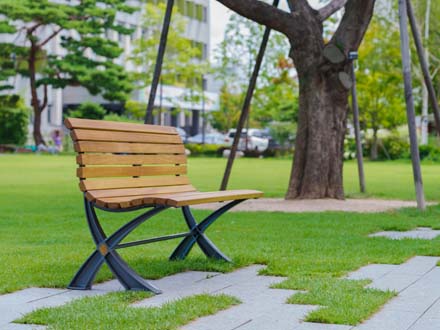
(318, 160)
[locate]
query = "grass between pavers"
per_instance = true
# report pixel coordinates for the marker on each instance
(44, 239)
(112, 312)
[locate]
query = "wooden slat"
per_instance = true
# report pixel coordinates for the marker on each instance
(109, 159)
(136, 200)
(95, 135)
(178, 200)
(120, 202)
(135, 148)
(105, 172)
(120, 183)
(110, 193)
(76, 123)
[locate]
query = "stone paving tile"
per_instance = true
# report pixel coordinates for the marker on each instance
(390, 320)
(371, 272)
(419, 233)
(417, 307)
(426, 324)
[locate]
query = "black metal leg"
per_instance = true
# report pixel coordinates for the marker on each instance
(198, 236)
(105, 253)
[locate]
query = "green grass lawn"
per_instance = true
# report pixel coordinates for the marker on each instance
(44, 239)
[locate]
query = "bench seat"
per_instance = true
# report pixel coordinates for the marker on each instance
(178, 199)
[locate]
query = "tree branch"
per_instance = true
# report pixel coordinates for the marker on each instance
(328, 10)
(261, 13)
(354, 24)
(45, 99)
(54, 34)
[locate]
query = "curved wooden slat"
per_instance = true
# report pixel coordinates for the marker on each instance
(114, 136)
(77, 123)
(111, 193)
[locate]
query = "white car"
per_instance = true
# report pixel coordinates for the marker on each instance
(252, 140)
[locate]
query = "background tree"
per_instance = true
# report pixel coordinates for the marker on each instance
(235, 59)
(323, 73)
(88, 55)
(229, 113)
(380, 85)
(183, 66)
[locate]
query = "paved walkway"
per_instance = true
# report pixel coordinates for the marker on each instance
(317, 205)
(417, 306)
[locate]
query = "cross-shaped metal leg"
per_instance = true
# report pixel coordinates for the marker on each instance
(197, 234)
(105, 252)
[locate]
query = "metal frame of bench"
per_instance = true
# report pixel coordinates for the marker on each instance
(106, 246)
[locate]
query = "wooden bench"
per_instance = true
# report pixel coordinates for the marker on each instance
(125, 167)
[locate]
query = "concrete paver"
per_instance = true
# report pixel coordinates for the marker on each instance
(418, 233)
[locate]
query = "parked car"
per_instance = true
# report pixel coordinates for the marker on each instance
(211, 138)
(254, 139)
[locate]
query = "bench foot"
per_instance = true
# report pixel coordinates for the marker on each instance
(105, 252)
(197, 234)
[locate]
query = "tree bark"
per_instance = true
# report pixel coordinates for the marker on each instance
(319, 148)
(374, 152)
(35, 102)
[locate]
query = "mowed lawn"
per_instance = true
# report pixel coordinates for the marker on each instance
(44, 239)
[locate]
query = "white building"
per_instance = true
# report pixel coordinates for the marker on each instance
(168, 97)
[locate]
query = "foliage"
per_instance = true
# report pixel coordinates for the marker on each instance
(283, 132)
(389, 148)
(380, 87)
(120, 118)
(88, 110)
(13, 120)
(208, 150)
(229, 113)
(135, 110)
(429, 152)
(277, 100)
(275, 95)
(88, 54)
(183, 65)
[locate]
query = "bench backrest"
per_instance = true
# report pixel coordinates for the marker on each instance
(115, 155)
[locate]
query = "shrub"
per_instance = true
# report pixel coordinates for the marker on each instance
(116, 117)
(88, 110)
(13, 120)
(429, 152)
(390, 148)
(210, 150)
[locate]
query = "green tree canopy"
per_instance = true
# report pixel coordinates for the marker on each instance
(380, 84)
(87, 56)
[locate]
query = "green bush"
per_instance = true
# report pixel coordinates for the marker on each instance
(429, 152)
(389, 148)
(14, 118)
(209, 150)
(88, 110)
(125, 119)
